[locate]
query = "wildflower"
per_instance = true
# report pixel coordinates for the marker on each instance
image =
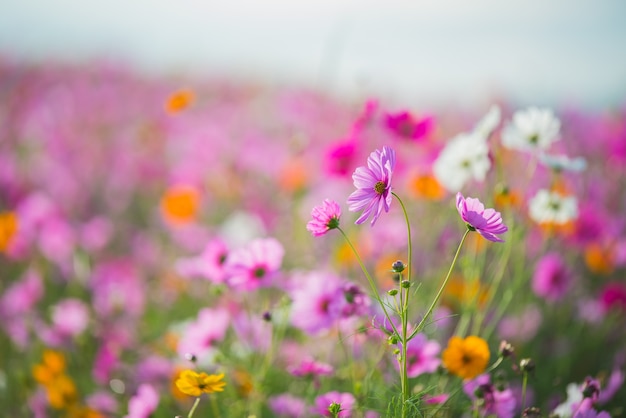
(254, 265)
(426, 185)
(531, 129)
(340, 156)
(465, 158)
(551, 279)
(310, 367)
(195, 384)
(144, 403)
(287, 406)
(208, 265)
(422, 355)
(325, 218)
(8, 228)
(373, 185)
(548, 207)
(345, 400)
(600, 258)
(487, 222)
(494, 402)
(489, 122)
(466, 358)
(613, 296)
(559, 163)
(405, 125)
(179, 100)
(209, 327)
(179, 204)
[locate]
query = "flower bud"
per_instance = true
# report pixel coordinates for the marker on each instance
(398, 266)
(405, 284)
(591, 388)
(191, 357)
(506, 349)
(527, 365)
(532, 412)
(392, 292)
(334, 409)
(392, 340)
(267, 316)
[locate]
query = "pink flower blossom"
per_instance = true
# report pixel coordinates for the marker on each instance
(487, 222)
(209, 265)
(287, 406)
(322, 402)
(552, 279)
(310, 367)
(144, 403)
(613, 296)
(255, 265)
(405, 125)
(500, 403)
(340, 157)
(325, 217)
(209, 328)
(422, 355)
(373, 183)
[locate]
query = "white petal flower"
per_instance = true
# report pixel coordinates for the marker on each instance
(531, 129)
(563, 162)
(489, 122)
(552, 207)
(465, 158)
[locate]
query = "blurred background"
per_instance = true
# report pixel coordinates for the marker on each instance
(557, 52)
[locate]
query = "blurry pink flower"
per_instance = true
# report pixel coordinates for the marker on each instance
(96, 233)
(253, 333)
(70, 318)
(287, 406)
(209, 328)
(144, 403)
(500, 403)
(487, 222)
(325, 217)
(340, 157)
(552, 279)
(57, 240)
(103, 402)
(21, 296)
(310, 367)
(435, 399)
(322, 402)
(209, 265)
(373, 185)
(405, 125)
(255, 265)
(105, 362)
(117, 289)
(318, 301)
(521, 327)
(613, 296)
(422, 356)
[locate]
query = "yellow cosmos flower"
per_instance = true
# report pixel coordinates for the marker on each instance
(52, 366)
(8, 228)
(466, 358)
(425, 185)
(195, 384)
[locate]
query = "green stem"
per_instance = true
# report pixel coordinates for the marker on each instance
(404, 313)
(524, 381)
(370, 281)
(440, 292)
(193, 408)
(216, 410)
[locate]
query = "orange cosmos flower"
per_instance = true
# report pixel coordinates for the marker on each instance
(466, 358)
(195, 384)
(180, 204)
(179, 100)
(427, 186)
(8, 228)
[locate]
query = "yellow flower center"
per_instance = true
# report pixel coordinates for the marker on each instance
(380, 187)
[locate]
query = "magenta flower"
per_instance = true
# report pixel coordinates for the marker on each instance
(551, 280)
(322, 402)
(405, 125)
(288, 406)
(325, 218)
(487, 222)
(422, 356)
(373, 185)
(144, 403)
(310, 367)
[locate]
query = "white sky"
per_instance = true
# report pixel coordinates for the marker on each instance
(535, 51)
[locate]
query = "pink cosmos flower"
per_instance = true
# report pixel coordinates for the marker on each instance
(499, 403)
(422, 356)
(287, 406)
(209, 328)
(144, 403)
(551, 279)
(255, 265)
(613, 296)
(373, 185)
(487, 222)
(322, 402)
(340, 156)
(405, 125)
(209, 265)
(325, 217)
(310, 367)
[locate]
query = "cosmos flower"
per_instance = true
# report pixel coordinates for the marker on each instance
(465, 158)
(144, 403)
(466, 357)
(489, 122)
(551, 279)
(195, 384)
(487, 222)
(498, 402)
(422, 355)
(559, 163)
(548, 207)
(208, 265)
(532, 129)
(373, 185)
(345, 400)
(254, 265)
(288, 406)
(405, 125)
(325, 217)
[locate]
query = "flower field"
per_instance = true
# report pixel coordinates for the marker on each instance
(175, 246)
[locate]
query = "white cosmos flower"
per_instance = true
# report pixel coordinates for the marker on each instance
(552, 207)
(531, 129)
(489, 122)
(465, 158)
(563, 162)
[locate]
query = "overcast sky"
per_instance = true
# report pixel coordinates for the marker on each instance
(534, 51)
